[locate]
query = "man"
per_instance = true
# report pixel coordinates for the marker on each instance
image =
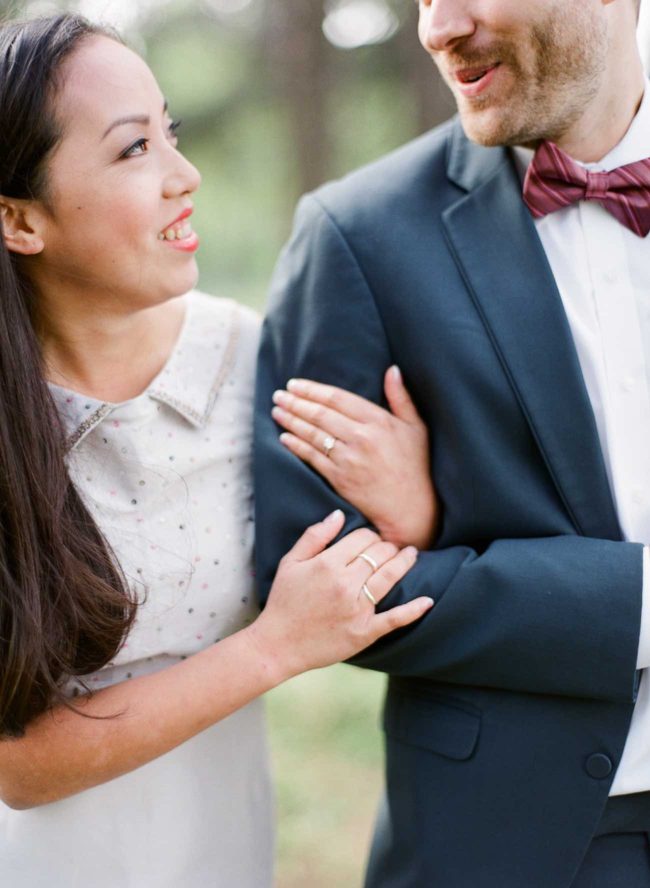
(514, 293)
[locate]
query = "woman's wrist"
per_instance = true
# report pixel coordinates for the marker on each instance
(274, 660)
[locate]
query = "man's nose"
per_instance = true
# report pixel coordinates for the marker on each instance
(444, 23)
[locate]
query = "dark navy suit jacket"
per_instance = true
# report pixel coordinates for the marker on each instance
(509, 703)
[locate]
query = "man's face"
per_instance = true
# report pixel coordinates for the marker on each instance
(520, 70)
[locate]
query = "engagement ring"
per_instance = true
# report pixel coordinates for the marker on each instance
(328, 444)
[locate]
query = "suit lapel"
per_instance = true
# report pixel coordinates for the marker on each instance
(504, 266)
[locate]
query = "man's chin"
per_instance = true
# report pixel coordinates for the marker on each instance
(491, 129)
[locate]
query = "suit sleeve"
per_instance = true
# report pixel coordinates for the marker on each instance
(556, 615)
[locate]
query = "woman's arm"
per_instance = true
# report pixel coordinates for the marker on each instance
(380, 459)
(316, 615)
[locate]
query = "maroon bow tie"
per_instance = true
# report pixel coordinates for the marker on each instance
(554, 181)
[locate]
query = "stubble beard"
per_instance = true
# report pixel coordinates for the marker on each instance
(567, 53)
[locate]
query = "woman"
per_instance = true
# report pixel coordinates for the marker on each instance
(133, 750)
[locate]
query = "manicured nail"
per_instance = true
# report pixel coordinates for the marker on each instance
(279, 396)
(396, 373)
(411, 551)
(296, 385)
(336, 515)
(429, 601)
(284, 438)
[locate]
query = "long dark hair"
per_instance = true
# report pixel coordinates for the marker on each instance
(64, 605)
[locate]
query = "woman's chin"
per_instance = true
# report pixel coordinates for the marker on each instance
(178, 284)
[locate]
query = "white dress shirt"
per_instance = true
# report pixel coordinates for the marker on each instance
(602, 271)
(167, 476)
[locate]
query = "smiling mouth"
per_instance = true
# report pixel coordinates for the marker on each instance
(474, 75)
(178, 231)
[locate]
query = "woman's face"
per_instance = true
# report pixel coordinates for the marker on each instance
(115, 222)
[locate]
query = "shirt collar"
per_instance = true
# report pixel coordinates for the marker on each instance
(189, 382)
(635, 144)
(195, 371)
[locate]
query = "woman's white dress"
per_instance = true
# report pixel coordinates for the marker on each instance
(167, 476)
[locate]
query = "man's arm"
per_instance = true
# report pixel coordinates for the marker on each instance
(557, 615)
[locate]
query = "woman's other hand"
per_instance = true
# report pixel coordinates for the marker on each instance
(376, 459)
(321, 610)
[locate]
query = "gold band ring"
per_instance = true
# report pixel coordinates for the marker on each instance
(366, 591)
(369, 560)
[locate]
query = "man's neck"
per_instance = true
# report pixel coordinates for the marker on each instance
(608, 116)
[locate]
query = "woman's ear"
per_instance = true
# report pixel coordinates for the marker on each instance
(20, 226)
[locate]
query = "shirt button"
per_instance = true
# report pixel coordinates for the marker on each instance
(599, 766)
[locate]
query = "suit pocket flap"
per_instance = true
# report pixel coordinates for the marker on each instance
(430, 724)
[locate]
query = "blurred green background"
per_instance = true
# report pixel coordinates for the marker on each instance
(327, 757)
(275, 97)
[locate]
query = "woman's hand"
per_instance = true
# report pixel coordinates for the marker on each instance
(317, 614)
(376, 459)
(320, 609)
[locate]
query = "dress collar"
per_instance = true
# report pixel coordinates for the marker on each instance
(189, 382)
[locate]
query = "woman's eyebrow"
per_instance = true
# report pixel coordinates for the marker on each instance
(142, 119)
(131, 118)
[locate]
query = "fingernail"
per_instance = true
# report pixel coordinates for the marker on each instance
(284, 437)
(396, 373)
(429, 601)
(279, 396)
(412, 551)
(336, 515)
(296, 385)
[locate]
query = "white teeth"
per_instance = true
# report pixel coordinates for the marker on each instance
(176, 232)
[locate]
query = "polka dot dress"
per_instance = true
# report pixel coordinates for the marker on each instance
(167, 476)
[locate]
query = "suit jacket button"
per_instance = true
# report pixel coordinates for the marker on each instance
(599, 766)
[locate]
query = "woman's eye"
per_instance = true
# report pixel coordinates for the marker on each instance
(139, 147)
(173, 129)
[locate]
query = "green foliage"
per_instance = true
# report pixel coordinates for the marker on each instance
(200, 66)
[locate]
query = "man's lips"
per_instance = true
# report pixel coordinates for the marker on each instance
(472, 81)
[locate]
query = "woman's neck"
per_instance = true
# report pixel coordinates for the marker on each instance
(110, 355)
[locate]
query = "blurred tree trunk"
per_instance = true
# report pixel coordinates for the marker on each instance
(433, 101)
(301, 64)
